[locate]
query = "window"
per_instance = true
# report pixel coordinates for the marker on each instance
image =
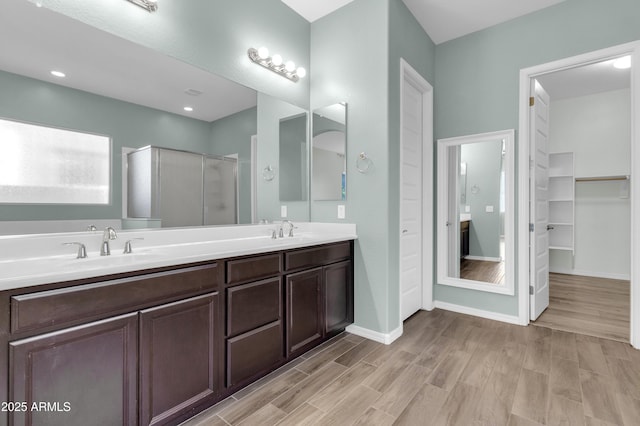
(45, 165)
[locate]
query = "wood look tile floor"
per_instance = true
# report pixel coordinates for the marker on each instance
(482, 270)
(595, 306)
(447, 369)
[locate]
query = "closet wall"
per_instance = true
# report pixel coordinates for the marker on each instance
(596, 128)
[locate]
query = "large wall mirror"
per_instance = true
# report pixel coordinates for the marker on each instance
(137, 97)
(328, 156)
(294, 154)
(476, 212)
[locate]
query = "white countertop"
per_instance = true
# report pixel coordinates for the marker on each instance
(41, 259)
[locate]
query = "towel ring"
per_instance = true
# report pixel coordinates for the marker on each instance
(268, 173)
(363, 162)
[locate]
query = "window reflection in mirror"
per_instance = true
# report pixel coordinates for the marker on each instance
(475, 220)
(293, 158)
(328, 171)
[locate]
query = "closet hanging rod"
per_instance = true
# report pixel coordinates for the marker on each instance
(601, 178)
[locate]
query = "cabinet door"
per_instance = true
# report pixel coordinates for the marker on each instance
(338, 293)
(86, 375)
(304, 310)
(179, 358)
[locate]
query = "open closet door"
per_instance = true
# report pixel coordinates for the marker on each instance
(539, 201)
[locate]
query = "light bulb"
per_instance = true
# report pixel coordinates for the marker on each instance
(622, 63)
(188, 109)
(301, 72)
(276, 60)
(263, 53)
(58, 73)
(290, 66)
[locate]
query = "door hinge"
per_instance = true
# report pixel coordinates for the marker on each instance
(532, 101)
(531, 227)
(531, 290)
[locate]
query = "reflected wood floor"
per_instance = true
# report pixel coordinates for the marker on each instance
(594, 306)
(482, 270)
(447, 369)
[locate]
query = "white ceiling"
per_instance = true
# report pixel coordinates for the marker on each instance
(443, 20)
(312, 10)
(585, 80)
(34, 40)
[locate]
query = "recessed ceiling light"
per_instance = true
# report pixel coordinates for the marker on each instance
(58, 73)
(188, 108)
(622, 63)
(193, 92)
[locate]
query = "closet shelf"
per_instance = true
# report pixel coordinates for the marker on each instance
(601, 178)
(560, 248)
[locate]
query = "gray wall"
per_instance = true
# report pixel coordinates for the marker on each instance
(483, 170)
(368, 79)
(231, 135)
(477, 79)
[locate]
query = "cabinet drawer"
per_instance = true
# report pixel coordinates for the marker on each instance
(254, 352)
(317, 256)
(101, 299)
(253, 305)
(253, 268)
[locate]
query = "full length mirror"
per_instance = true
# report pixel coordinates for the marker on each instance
(328, 156)
(476, 211)
(135, 96)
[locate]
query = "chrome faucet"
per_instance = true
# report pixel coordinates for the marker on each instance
(82, 250)
(291, 227)
(109, 234)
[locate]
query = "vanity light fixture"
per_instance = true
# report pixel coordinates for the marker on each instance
(149, 5)
(276, 64)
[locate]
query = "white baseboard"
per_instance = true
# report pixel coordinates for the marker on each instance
(386, 338)
(608, 275)
(478, 312)
(484, 259)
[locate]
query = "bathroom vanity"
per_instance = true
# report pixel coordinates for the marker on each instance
(157, 345)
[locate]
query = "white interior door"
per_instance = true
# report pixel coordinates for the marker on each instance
(539, 201)
(411, 200)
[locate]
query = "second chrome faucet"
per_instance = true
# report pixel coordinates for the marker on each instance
(109, 234)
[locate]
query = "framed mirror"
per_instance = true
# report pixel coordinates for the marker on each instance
(138, 97)
(476, 202)
(328, 155)
(293, 149)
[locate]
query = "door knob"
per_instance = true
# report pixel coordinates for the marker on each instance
(549, 227)
(404, 231)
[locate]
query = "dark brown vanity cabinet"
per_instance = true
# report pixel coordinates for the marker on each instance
(88, 372)
(338, 297)
(320, 297)
(179, 358)
(305, 326)
(143, 348)
(254, 317)
(155, 347)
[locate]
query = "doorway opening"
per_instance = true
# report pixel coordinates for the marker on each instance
(582, 197)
